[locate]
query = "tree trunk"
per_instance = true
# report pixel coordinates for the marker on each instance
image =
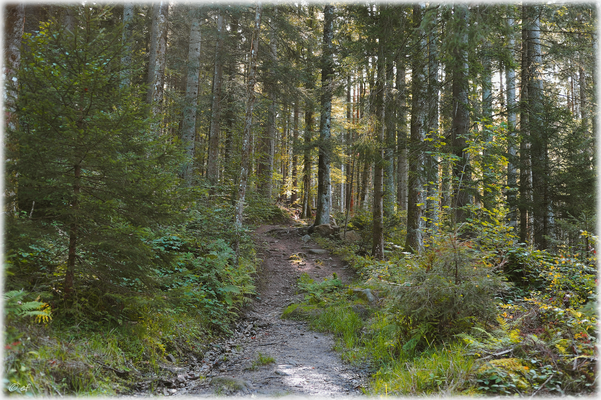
(377, 249)
(432, 197)
(389, 123)
(511, 125)
(246, 135)
(189, 118)
(415, 209)
(461, 117)
(158, 47)
(402, 167)
(525, 170)
(267, 141)
(324, 200)
(215, 127)
(294, 192)
(539, 140)
(128, 17)
(488, 167)
(13, 33)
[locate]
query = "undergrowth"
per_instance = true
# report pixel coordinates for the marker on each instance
(111, 334)
(466, 317)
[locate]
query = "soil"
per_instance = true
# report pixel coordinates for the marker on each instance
(304, 362)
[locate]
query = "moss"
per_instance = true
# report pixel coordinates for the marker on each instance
(510, 367)
(300, 311)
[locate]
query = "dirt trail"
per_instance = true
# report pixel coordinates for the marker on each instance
(305, 363)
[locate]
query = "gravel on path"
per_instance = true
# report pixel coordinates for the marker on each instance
(304, 362)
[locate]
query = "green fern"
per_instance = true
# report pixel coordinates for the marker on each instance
(15, 305)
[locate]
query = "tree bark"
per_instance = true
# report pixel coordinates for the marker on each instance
(158, 47)
(294, 192)
(538, 136)
(432, 196)
(13, 34)
(511, 126)
(415, 209)
(267, 141)
(461, 117)
(128, 17)
(402, 167)
(246, 135)
(215, 127)
(188, 134)
(324, 201)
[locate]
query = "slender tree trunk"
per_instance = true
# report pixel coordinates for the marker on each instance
(324, 200)
(525, 170)
(488, 169)
(389, 125)
(461, 117)
(415, 209)
(377, 249)
(215, 127)
(539, 156)
(402, 167)
(189, 121)
(158, 47)
(230, 111)
(432, 196)
(512, 137)
(246, 135)
(14, 27)
(307, 137)
(294, 193)
(128, 16)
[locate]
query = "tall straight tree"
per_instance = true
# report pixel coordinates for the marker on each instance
(324, 201)
(128, 17)
(377, 247)
(401, 100)
(267, 140)
(250, 103)
(158, 48)
(188, 133)
(511, 123)
(308, 133)
(537, 132)
(13, 34)
(460, 114)
(416, 201)
(389, 116)
(433, 91)
(212, 160)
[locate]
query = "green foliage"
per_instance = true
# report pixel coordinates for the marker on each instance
(261, 210)
(261, 360)
(317, 292)
(446, 372)
(394, 229)
(95, 178)
(445, 291)
(15, 306)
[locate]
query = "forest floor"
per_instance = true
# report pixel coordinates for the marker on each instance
(270, 356)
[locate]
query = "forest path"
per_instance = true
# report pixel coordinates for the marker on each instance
(305, 362)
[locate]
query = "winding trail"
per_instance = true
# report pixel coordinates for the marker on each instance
(305, 362)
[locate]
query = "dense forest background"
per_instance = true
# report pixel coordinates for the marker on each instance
(456, 141)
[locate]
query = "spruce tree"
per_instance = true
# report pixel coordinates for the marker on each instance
(89, 168)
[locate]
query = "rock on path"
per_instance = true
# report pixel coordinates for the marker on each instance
(304, 361)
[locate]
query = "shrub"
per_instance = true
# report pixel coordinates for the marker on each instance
(446, 290)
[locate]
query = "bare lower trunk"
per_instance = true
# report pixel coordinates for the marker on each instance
(415, 208)
(324, 200)
(213, 156)
(189, 119)
(246, 136)
(158, 47)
